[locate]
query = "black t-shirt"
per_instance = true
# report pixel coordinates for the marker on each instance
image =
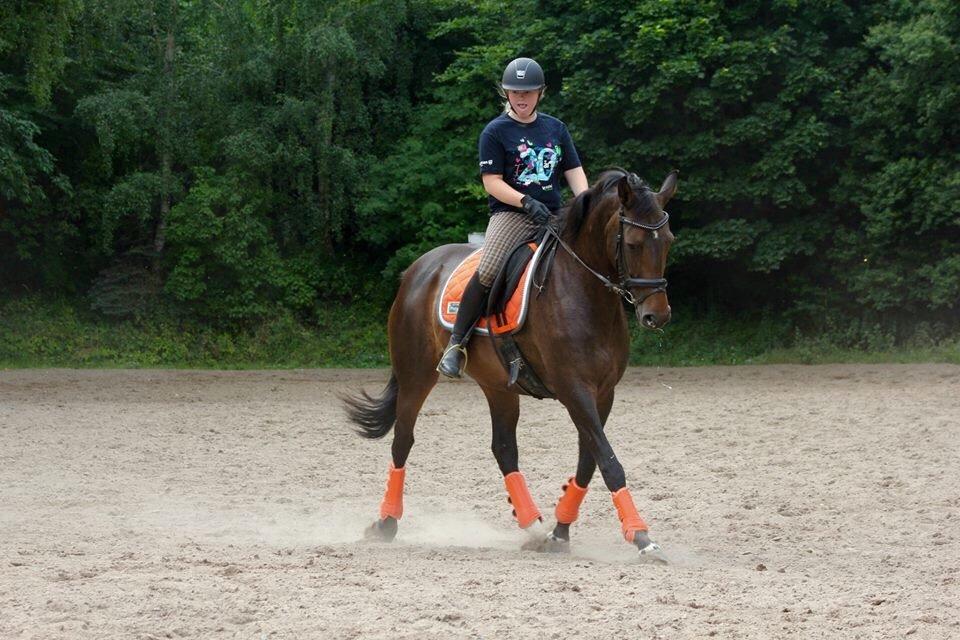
(530, 157)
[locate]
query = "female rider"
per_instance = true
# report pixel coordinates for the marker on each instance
(522, 154)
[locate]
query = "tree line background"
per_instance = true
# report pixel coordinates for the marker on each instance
(226, 162)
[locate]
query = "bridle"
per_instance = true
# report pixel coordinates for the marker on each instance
(625, 282)
(657, 285)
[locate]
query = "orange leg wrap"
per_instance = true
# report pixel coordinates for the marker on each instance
(524, 509)
(630, 520)
(568, 508)
(392, 503)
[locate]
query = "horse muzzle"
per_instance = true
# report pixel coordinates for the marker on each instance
(653, 318)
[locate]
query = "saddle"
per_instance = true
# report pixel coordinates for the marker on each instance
(524, 271)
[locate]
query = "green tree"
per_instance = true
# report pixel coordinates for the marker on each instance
(427, 191)
(235, 159)
(311, 95)
(902, 259)
(33, 40)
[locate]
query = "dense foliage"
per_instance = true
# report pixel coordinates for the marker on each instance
(235, 161)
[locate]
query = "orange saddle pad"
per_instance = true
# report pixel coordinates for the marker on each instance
(513, 315)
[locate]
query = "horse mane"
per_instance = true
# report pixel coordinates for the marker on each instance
(577, 212)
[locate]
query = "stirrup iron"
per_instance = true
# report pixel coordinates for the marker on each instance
(463, 351)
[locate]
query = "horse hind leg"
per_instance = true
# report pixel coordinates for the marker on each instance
(504, 414)
(409, 399)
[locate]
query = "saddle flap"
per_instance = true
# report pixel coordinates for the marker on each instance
(508, 279)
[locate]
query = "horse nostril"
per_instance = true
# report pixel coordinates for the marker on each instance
(650, 320)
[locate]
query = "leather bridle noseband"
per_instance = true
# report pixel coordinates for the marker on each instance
(625, 283)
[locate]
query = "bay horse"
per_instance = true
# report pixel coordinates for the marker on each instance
(614, 237)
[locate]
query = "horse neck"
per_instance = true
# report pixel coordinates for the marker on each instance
(591, 242)
(580, 287)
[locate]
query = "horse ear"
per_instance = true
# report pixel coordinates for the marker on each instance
(668, 188)
(624, 190)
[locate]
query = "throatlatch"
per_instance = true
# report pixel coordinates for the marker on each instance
(630, 521)
(524, 508)
(392, 503)
(568, 507)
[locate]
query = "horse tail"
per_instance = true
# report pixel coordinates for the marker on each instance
(374, 416)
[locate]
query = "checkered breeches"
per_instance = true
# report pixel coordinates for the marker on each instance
(505, 231)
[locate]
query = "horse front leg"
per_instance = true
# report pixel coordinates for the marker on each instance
(575, 489)
(585, 412)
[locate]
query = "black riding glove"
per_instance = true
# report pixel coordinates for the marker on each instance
(536, 209)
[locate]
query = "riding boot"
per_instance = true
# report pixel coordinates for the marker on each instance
(471, 306)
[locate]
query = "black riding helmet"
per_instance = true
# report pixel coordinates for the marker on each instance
(523, 74)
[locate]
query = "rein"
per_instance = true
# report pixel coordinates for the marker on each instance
(625, 282)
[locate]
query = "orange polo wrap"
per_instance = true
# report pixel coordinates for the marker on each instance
(568, 508)
(392, 503)
(524, 509)
(630, 520)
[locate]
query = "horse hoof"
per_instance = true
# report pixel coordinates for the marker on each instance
(547, 544)
(383, 530)
(542, 539)
(649, 552)
(652, 554)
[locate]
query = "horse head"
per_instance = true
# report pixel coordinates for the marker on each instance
(638, 241)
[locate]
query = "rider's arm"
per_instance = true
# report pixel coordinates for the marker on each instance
(577, 180)
(495, 185)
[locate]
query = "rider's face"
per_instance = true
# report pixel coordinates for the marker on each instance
(523, 103)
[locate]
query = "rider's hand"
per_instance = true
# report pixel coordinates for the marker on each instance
(536, 209)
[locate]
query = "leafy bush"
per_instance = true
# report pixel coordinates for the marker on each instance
(63, 333)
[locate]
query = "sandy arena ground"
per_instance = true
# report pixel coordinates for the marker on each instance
(793, 501)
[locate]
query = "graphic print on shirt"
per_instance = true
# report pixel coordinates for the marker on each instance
(536, 164)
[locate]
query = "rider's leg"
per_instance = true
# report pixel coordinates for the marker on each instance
(471, 306)
(505, 230)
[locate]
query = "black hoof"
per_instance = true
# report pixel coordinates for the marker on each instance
(383, 530)
(548, 544)
(649, 552)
